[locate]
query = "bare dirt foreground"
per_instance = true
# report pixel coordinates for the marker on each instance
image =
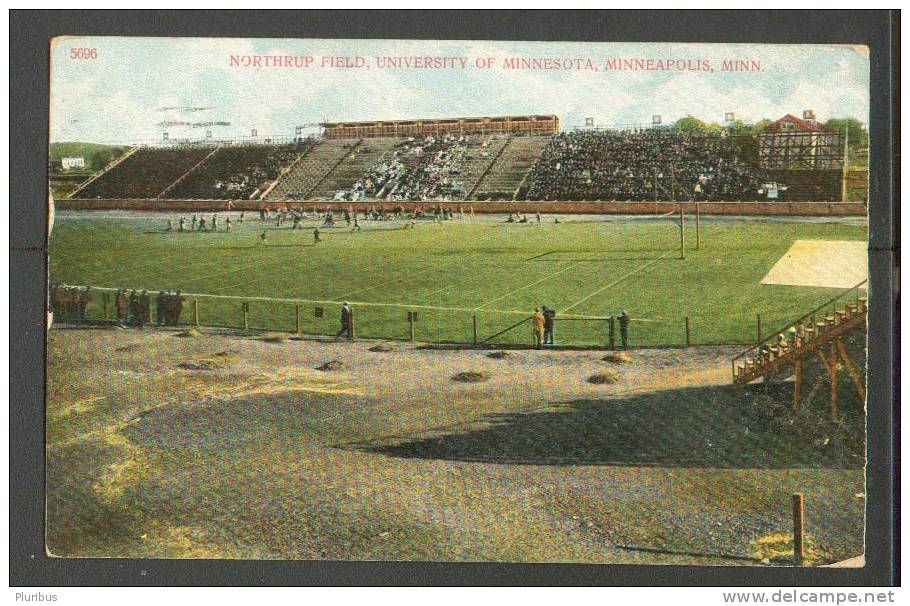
(234, 446)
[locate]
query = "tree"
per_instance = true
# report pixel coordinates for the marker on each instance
(694, 126)
(858, 136)
(759, 127)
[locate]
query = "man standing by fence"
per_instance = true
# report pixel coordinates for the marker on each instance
(624, 329)
(122, 305)
(538, 321)
(347, 322)
(549, 319)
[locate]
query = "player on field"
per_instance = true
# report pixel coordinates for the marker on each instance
(227, 223)
(182, 223)
(262, 238)
(316, 238)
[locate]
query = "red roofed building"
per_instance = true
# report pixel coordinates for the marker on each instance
(792, 124)
(800, 143)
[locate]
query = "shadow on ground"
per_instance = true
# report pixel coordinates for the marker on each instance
(691, 427)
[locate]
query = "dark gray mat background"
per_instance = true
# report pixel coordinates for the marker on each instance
(30, 33)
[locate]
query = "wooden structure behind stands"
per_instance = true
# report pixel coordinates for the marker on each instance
(498, 125)
(819, 332)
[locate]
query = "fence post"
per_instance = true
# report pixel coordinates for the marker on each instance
(682, 231)
(411, 325)
(758, 326)
(612, 333)
(353, 334)
(697, 228)
(688, 339)
(196, 312)
(297, 318)
(246, 315)
(798, 529)
(475, 328)
(104, 297)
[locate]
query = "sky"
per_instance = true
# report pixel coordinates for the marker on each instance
(117, 92)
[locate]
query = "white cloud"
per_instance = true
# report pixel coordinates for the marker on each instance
(117, 98)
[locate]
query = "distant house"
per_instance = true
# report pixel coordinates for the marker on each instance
(800, 143)
(77, 162)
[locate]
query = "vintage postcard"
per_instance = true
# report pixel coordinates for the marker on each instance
(457, 301)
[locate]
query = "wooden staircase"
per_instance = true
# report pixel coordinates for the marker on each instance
(817, 332)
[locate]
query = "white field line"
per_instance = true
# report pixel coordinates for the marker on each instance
(273, 261)
(353, 303)
(193, 262)
(386, 283)
(615, 282)
(526, 286)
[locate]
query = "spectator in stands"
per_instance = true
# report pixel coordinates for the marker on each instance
(616, 165)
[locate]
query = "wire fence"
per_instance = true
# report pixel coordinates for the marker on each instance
(392, 321)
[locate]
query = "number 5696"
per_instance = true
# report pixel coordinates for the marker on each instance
(83, 53)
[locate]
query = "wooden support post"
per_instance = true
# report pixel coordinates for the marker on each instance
(196, 312)
(352, 329)
(758, 326)
(297, 318)
(798, 529)
(673, 184)
(832, 369)
(697, 227)
(246, 315)
(106, 299)
(475, 328)
(612, 332)
(843, 186)
(851, 370)
(688, 335)
(411, 325)
(682, 232)
(797, 382)
(655, 185)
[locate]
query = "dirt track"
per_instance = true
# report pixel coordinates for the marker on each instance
(260, 455)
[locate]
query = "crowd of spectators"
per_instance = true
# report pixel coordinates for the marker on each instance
(251, 172)
(419, 169)
(626, 165)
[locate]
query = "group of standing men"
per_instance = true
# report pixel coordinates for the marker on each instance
(136, 308)
(544, 319)
(70, 301)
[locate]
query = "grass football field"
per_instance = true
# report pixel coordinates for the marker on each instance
(587, 268)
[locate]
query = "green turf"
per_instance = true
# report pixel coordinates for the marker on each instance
(454, 272)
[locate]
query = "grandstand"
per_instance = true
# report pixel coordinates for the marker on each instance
(508, 172)
(232, 173)
(310, 170)
(518, 158)
(144, 173)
